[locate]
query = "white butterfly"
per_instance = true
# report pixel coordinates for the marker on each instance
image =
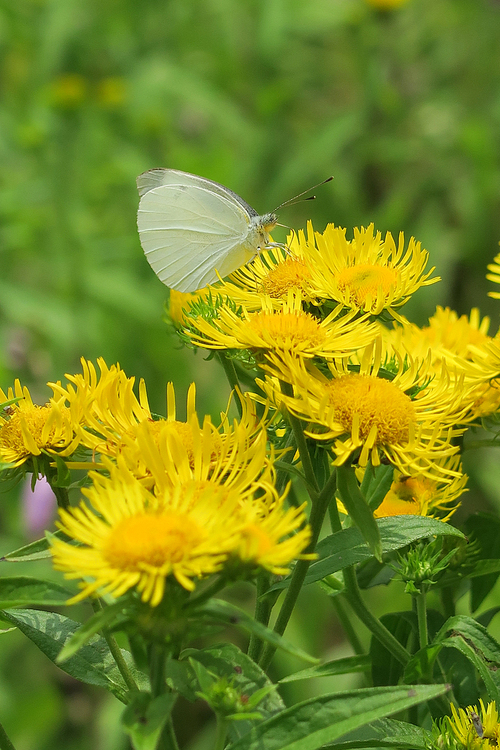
(191, 227)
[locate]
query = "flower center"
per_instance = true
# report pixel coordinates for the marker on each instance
(288, 329)
(377, 402)
(292, 273)
(151, 540)
(34, 418)
(365, 280)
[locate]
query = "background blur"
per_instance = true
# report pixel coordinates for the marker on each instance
(400, 101)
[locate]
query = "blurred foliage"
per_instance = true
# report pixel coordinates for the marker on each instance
(402, 106)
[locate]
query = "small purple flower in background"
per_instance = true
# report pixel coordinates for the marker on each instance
(39, 506)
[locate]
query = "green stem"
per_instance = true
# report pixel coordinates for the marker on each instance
(318, 511)
(300, 439)
(263, 608)
(157, 664)
(221, 734)
(380, 632)
(232, 376)
(347, 626)
(333, 511)
(5, 743)
(423, 635)
(116, 652)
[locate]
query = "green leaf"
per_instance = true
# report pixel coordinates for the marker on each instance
(347, 547)
(230, 615)
(24, 591)
(379, 485)
(101, 619)
(358, 509)
(386, 669)
(38, 550)
(341, 666)
(144, 718)
(483, 530)
(314, 723)
(473, 632)
(93, 664)
(386, 733)
(485, 673)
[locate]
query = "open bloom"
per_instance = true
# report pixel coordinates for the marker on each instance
(28, 430)
(289, 328)
(129, 538)
(234, 455)
(367, 273)
(462, 342)
(468, 729)
(418, 495)
(410, 419)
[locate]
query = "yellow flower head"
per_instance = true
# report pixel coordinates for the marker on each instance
(234, 455)
(367, 273)
(410, 419)
(473, 729)
(27, 429)
(289, 328)
(272, 538)
(130, 539)
(273, 274)
(105, 407)
(417, 495)
(460, 342)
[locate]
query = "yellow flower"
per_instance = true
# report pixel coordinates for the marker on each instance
(475, 730)
(287, 329)
(234, 455)
(417, 495)
(105, 407)
(272, 538)
(494, 275)
(131, 539)
(367, 273)
(28, 430)
(410, 419)
(447, 337)
(273, 274)
(463, 344)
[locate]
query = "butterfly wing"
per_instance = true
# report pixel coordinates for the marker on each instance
(188, 229)
(158, 177)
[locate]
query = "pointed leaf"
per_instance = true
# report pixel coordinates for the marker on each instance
(358, 509)
(24, 591)
(101, 619)
(341, 666)
(347, 547)
(386, 733)
(314, 723)
(93, 664)
(38, 550)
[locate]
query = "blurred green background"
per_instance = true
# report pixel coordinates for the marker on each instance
(268, 97)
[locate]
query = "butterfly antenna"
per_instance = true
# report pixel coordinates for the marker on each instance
(295, 199)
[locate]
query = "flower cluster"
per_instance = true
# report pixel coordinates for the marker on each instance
(170, 500)
(313, 324)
